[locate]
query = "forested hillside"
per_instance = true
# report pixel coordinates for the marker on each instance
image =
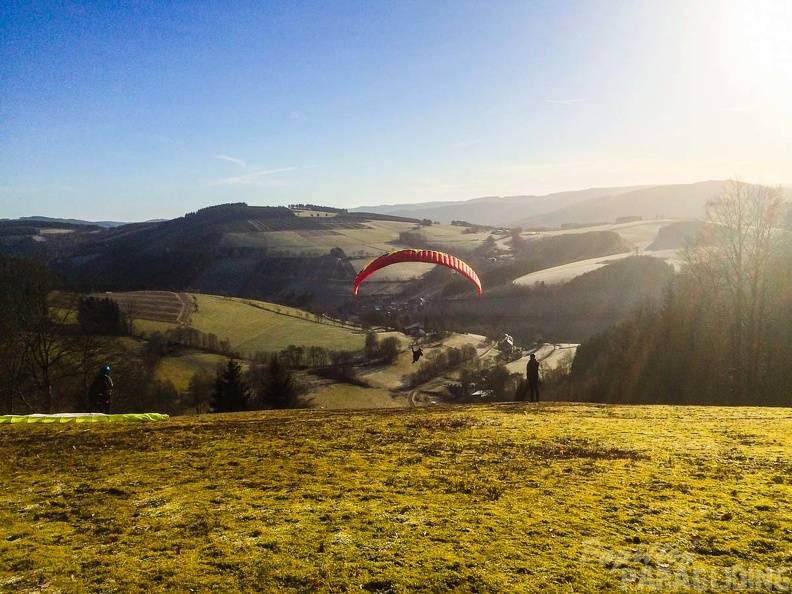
(721, 332)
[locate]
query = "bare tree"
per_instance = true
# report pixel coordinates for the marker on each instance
(201, 388)
(14, 356)
(49, 346)
(731, 260)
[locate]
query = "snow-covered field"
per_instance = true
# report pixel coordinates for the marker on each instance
(640, 234)
(549, 356)
(560, 274)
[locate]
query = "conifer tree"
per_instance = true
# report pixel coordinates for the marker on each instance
(280, 390)
(231, 392)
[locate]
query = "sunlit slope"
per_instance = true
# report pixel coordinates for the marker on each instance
(665, 201)
(367, 239)
(180, 367)
(269, 261)
(503, 498)
(566, 272)
(638, 235)
(248, 325)
(269, 255)
(253, 326)
(371, 238)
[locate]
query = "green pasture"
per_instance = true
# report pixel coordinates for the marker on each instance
(141, 327)
(181, 368)
(376, 238)
(497, 498)
(454, 239)
(346, 396)
(254, 326)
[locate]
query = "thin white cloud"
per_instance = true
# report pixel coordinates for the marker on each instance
(564, 101)
(239, 162)
(251, 179)
(298, 115)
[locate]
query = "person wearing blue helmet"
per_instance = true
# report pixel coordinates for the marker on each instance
(101, 392)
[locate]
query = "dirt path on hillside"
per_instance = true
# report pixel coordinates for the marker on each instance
(548, 354)
(187, 308)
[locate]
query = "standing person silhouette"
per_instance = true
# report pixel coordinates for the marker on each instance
(533, 379)
(416, 353)
(101, 392)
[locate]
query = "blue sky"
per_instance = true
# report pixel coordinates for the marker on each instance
(132, 111)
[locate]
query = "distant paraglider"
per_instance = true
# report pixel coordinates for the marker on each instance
(426, 256)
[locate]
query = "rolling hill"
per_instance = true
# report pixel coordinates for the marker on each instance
(497, 210)
(595, 205)
(682, 201)
(308, 257)
(253, 329)
(249, 326)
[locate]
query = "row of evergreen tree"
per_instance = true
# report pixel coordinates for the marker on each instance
(263, 386)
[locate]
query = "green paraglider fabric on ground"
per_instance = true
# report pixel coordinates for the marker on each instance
(83, 418)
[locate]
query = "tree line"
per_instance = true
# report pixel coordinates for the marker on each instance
(271, 382)
(52, 344)
(721, 333)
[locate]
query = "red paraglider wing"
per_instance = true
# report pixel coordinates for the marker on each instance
(427, 256)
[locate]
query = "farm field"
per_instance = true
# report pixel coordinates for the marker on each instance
(374, 238)
(365, 241)
(346, 396)
(180, 368)
(640, 234)
(159, 306)
(253, 326)
(489, 498)
(454, 239)
(393, 274)
(566, 272)
(390, 376)
(386, 381)
(548, 355)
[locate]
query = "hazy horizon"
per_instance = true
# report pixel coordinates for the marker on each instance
(146, 112)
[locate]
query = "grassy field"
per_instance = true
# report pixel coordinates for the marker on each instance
(253, 326)
(180, 368)
(375, 238)
(385, 382)
(639, 233)
(566, 272)
(250, 327)
(498, 498)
